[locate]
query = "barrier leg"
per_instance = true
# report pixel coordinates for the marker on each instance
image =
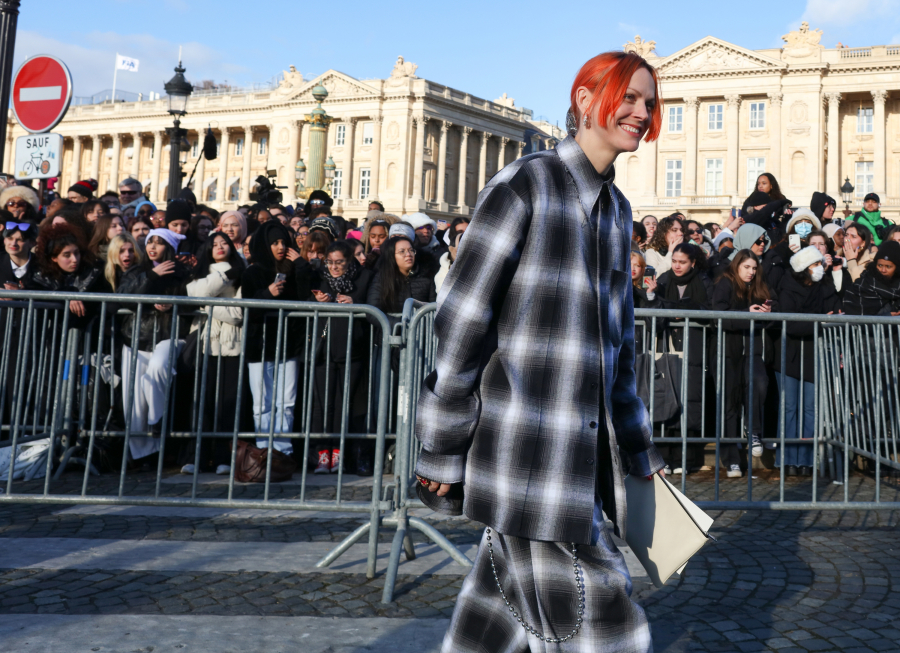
(342, 548)
(390, 578)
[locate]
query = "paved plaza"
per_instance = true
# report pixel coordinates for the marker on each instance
(140, 579)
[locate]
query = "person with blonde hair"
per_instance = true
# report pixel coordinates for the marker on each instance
(123, 253)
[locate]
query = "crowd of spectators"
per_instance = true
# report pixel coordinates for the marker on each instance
(769, 257)
(122, 244)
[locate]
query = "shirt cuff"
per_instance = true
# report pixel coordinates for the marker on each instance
(645, 463)
(441, 468)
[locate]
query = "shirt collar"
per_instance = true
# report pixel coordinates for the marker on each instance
(19, 270)
(588, 181)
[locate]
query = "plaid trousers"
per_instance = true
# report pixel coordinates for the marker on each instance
(539, 581)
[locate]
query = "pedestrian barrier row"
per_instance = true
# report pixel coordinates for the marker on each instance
(348, 378)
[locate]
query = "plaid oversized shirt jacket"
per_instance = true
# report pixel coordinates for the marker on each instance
(535, 361)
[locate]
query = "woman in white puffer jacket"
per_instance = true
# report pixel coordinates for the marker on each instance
(218, 274)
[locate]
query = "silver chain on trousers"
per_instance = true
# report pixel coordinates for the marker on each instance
(579, 585)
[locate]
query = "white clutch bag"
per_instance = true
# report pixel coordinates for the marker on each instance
(664, 528)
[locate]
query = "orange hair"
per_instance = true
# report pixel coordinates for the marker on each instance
(607, 75)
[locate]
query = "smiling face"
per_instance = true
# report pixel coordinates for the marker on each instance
(68, 259)
(16, 245)
(336, 264)
(747, 270)
(629, 123)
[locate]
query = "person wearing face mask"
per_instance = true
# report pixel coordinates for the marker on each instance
(877, 292)
(835, 272)
(668, 235)
(743, 288)
(802, 291)
(278, 272)
(870, 217)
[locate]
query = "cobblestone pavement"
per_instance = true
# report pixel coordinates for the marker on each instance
(776, 581)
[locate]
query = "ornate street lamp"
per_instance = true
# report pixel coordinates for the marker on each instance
(178, 90)
(300, 176)
(329, 174)
(847, 194)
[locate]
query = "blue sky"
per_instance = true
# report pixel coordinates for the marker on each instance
(529, 50)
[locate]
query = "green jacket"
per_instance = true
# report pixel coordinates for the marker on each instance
(874, 223)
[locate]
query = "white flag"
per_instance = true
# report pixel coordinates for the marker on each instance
(126, 63)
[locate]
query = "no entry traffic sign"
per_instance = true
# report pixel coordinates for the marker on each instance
(41, 92)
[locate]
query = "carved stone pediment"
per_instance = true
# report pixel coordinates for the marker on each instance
(802, 43)
(339, 85)
(714, 55)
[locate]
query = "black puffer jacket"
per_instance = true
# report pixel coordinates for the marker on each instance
(155, 325)
(872, 294)
(795, 297)
(418, 285)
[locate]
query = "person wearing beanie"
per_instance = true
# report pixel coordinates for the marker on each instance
(877, 292)
(823, 206)
(835, 234)
(801, 291)
(82, 191)
(426, 241)
(22, 202)
(402, 229)
(724, 238)
(188, 196)
(870, 217)
(326, 224)
(178, 216)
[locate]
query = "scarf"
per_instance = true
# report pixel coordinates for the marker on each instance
(695, 289)
(343, 285)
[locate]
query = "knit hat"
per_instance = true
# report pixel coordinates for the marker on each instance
(889, 250)
(805, 257)
(831, 229)
(402, 229)
(167, 235)
(85, 188)
(178, 210)
(725, 234)
(419, 220)
(818, 203)
(803, 214)
(137, 207)
(872, 196)
(317, 199)
(23, 192)
(326, 224)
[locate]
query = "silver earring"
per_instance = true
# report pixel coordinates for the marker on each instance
(586, 122)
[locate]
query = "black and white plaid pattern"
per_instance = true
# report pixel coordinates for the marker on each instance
(539, 582)
(535, 365)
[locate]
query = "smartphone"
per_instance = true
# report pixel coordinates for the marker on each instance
(442, 225)
(735, 212)
(4, 178)
(649, 273)
(280, 277)
(768, 302)
(794, 239)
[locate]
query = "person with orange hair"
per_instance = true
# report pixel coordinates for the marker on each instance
(533, 395)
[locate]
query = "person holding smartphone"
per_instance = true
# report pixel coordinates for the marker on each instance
(742, 288)
(278, 272)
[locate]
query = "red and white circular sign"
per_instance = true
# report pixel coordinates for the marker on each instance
(41, 92)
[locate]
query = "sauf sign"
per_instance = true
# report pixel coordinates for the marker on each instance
(38, 156)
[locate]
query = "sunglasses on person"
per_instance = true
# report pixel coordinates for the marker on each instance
(762, 241)
(16, 204)
(128, 192)
(21, 226)
(694, 231)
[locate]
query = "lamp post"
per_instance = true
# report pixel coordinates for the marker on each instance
(178, 89)
(329, 174)
(9, 18)
(847, 194)
(300, 176)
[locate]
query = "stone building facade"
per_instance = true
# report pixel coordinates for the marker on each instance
(811, 116)
(409, 142)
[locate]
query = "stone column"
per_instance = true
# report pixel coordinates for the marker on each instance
(691, 104)
(879, 165)
(96, 144)
(421, 131)
(501, 155)
(833, 165)
(377, 124)
(221, 194)
(349, 142)
(290, 195)
(732, 126)
(114, 164)
(520, 147)
(76, 160)
(157, 158)
(482, 160)
(136, 156)
(442, 163)
(774, 163)
(245, 170)
(201, 168)
(463, 161)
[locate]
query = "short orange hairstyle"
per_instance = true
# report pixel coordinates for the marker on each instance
(608, 76)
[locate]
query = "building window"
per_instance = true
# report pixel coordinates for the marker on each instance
(756, 165)
(152, 151)
(673, 178)
(865, 120)
(716, 113)
(263, 145)
(340, 134)
(211, 192)
(676, 122)
(368, 133)
(195, 148)
(239, 147)
(865, 178)
(757, 115)
(365, 177)
(714, 176)
(234, 192)
(338, 182)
